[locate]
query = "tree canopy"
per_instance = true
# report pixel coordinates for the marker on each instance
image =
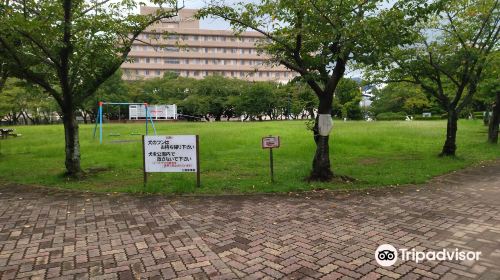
(447, 55)
(69, 48)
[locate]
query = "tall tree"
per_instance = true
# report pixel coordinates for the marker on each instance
(448, 56)
(69, 48)
(317, 39)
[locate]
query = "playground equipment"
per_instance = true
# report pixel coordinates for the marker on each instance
(156, 112)
(98, 122)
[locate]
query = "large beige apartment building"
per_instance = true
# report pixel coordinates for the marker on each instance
(193, 52)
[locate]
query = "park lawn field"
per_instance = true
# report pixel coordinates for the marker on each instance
(232, 161)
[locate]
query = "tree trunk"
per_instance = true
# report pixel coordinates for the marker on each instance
(84, 116)
(494, 121)
(25, 120)
(72, 148)
(321, 168)
(450, 145)
(311, 114)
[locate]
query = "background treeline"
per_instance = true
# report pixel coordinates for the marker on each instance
(398, 100)
(218, 98)
(213, 98)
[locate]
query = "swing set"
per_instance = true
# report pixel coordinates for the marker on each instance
(98, 121)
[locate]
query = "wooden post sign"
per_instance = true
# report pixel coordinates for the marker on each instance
(271, 142)
(171, 153)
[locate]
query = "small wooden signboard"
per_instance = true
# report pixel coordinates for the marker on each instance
(270, 142)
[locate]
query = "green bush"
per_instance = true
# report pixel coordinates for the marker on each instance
(391, 116)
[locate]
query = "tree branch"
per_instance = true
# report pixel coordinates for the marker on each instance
(28, 74)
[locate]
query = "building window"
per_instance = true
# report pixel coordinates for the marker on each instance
(171, 61)
(156, 60)
(146, 72)
(171, 49)
(148, 60)
(186, 61)
(158, 72)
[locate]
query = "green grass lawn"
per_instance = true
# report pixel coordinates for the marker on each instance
(232, 161)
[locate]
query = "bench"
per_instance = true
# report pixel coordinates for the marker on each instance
(5, 132)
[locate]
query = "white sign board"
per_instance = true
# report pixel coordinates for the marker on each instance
(174, 153)
(270, 142)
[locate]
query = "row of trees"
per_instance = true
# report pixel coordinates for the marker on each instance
(24, 103)
(69, 48)
(405, 99)
(218, 98)
(214, 97)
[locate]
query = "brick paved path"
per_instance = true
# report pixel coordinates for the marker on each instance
(318, 235)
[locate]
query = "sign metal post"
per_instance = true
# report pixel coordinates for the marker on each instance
(271, 164)
(144, 162)
(271, 142)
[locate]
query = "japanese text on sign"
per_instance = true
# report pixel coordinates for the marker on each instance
(170, 153)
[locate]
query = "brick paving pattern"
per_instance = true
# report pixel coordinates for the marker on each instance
(318, 235)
